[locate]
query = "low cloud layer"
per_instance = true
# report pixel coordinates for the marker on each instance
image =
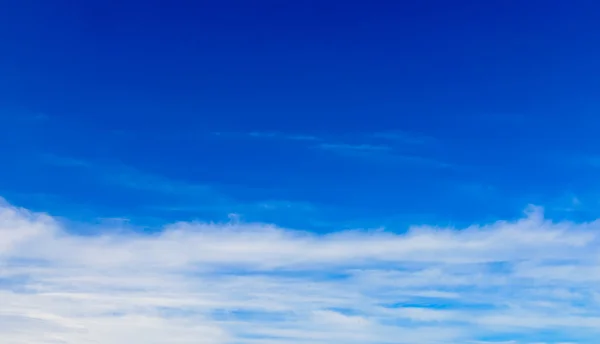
(527, 281)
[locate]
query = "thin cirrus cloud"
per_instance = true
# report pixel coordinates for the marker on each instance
(355, 147)
(393, 137)
(270, 135)
(373, 152)
(277, 135)
(132, 178)
(404, 137)
(381, 153)
(170, 196)
(235, 282)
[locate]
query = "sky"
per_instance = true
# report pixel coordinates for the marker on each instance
(235, 172)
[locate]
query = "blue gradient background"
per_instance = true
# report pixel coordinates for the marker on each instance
(312, 114)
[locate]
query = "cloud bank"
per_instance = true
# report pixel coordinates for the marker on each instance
(527, 281)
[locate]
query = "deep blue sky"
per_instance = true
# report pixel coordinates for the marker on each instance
(310, 114)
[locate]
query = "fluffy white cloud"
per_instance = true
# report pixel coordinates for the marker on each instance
(257, 283)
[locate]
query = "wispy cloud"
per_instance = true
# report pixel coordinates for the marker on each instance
(130, 177)
(404, 137)
(364, 146)
(382, 154)
(177, 197)
(278, 135)
(65, 161)
(259, 283)
(420, 160)
(355, 147)
(22, 116)
(393, 136)
(271, 135)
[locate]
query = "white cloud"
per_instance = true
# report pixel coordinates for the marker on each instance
(258, 283)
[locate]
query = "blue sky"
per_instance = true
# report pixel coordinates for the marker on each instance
(134, 120)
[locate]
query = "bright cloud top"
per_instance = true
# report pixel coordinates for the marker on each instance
(532, 280)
